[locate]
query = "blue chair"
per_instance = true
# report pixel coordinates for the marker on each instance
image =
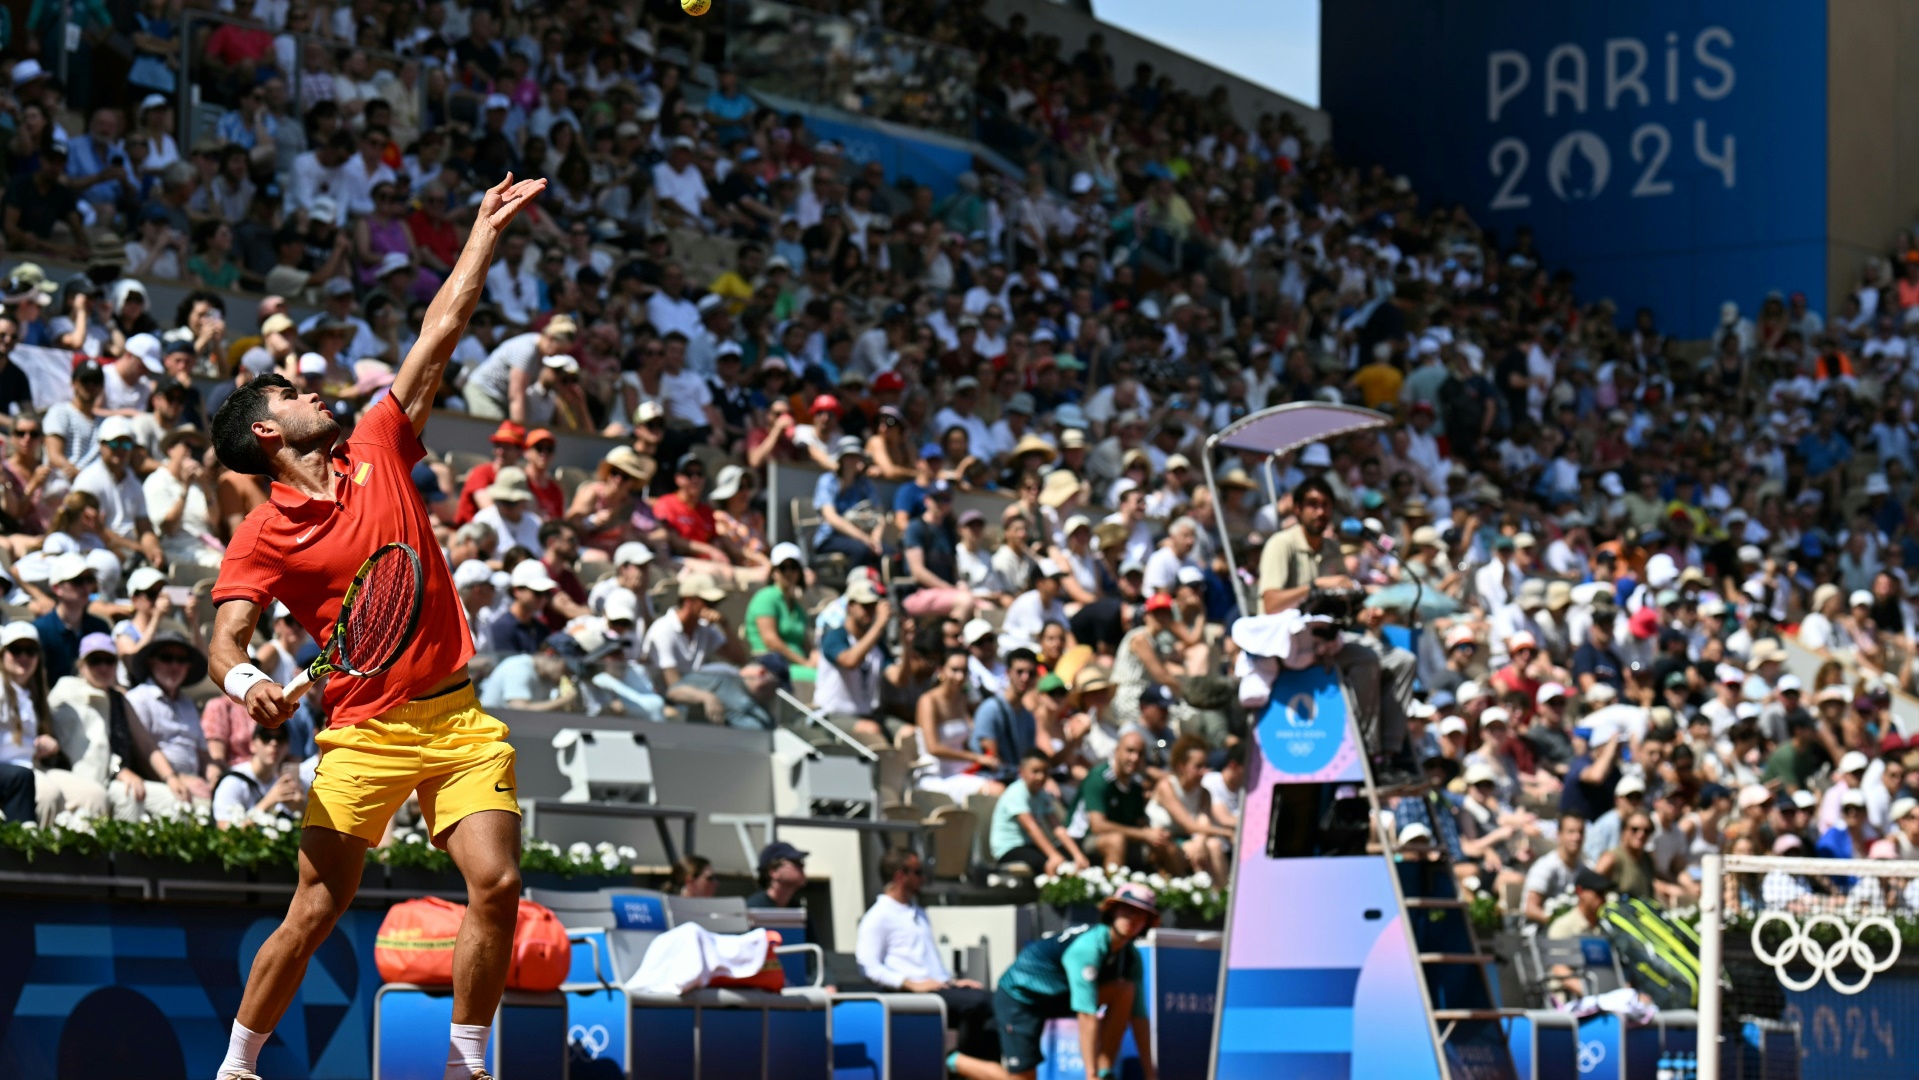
(529, 1034)
(712, 1032)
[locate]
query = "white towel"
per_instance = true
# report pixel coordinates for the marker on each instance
(688, 957)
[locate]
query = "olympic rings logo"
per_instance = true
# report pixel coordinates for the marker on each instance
(593, 1040)
(1590, 1055)
(1825, 959)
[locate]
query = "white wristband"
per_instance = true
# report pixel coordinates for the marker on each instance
(242, 678)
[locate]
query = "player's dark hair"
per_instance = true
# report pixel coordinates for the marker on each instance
(1036, 754)
(1236, 753)
(232, 426)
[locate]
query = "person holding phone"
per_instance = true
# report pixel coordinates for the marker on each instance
(267, 782)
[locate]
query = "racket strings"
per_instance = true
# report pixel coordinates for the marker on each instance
(377, 624)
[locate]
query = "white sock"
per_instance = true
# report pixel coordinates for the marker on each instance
(467, 1054)
(243, 1051)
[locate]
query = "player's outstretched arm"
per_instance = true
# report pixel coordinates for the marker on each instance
(446, 318)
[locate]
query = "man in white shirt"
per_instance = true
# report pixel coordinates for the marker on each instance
(897, 952)
(123, 502)
(511, 283)
(508, 516)
(338, 308)
(365, 170)
(688, 397)
(1163, 567)
(686, 638)
(320, 174)
(1031, 610)
(678, 181)
(979, 438)
(259, 784)
(668, 309)
(1497, 581)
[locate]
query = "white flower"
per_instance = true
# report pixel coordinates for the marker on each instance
(414, 838)
(603, 847)
(62, 819)
(609, 860)
(1158, 882)
(284, 824)
(83, 825)
(628, 853)
(1043, 880)
(580, 852)
(1202, 880)
(28, 826)
(1093, 873)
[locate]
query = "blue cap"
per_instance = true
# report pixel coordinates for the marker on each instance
(564, 644)
(780, 666)
(1156, 695)
(931, 450)
(427, 484)
(780, 851)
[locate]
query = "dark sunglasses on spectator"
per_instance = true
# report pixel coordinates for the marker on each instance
(100, 659)
(23, 648)
(272, 735)
(655, 425)
(1325, 633)
(27, 433)
(119, 444)
(170, 658)
(542, 447)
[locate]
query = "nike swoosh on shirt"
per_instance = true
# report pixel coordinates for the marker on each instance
(302, 538)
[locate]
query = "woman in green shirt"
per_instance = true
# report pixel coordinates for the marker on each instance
(775, 620)
(213, 265)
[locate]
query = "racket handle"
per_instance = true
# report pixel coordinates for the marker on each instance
(299, 685)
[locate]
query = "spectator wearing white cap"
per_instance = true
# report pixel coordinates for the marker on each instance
(1848, 776)
(1129, 512)
(632, 569)
(1904, 813)
(1851, 835)
(95, 726)
(473, 580)
(129, 379)
(111, 479)
(853, 663)
(679, 185)
(1629, 798)
(1031, 610)
(775, 620)
(72, 582)
(523, 626)
(932, 561)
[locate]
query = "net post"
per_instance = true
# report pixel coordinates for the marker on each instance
(1711, 950)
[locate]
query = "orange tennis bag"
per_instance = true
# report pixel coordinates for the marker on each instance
(416, 940)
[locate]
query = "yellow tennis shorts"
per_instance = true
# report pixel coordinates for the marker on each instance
(445, 747)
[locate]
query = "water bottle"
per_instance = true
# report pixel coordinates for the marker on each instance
(1666, 1070)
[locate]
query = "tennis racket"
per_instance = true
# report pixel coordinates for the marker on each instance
(379, 616)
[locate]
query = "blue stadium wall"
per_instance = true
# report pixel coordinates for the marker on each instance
(1671, 154)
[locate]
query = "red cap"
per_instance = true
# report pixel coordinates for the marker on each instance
(888, 382)
(508, 432)
(539, 435)
(1892, 742)
(827, 403)
(1644, 623)
(1159, 602)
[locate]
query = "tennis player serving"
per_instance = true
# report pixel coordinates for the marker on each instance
(403, 721)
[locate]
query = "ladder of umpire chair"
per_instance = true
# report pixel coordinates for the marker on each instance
(1473, 1027)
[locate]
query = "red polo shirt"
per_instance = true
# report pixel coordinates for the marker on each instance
(695, 523)
(304, 553)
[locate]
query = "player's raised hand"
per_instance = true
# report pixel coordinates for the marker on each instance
(505, 199)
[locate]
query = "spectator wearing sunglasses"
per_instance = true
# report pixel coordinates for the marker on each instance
(72, 582)
(161, 672)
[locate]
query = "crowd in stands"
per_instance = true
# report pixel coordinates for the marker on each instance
(1005, 563)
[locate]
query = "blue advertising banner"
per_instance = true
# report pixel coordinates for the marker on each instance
(1672, 153)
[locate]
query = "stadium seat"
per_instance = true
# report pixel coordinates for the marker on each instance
(529, 1034)
(953, 829)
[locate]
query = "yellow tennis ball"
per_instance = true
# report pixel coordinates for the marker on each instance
(695, 7)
